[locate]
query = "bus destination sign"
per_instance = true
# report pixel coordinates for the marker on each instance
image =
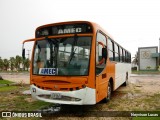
(63, 29)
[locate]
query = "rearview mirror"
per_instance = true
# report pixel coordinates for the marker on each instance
(23, 53)
(104, 53)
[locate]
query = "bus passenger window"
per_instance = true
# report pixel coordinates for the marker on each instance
(110, 49)
(116, 52)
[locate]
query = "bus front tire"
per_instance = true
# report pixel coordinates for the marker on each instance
(109, 91)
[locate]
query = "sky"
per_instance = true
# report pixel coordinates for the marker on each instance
(132, 23)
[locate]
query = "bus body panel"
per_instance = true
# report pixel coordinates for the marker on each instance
(121, 71)
(103, 79)
(84, 96)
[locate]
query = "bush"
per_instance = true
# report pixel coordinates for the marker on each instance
(134, 68)
(1, 78)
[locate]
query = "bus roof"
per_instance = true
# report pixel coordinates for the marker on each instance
(94, 25)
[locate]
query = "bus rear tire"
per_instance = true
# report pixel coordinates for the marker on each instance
(126, 82)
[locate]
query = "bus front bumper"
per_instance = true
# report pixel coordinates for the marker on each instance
(85, 96)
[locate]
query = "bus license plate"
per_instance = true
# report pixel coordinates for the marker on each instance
(55, 95)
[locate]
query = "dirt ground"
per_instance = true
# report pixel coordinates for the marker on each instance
(142, 93)
(147, 83)
(16, 77)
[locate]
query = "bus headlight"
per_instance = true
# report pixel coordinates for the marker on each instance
(34, 90)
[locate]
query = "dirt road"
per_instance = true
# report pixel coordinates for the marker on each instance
(16, 77)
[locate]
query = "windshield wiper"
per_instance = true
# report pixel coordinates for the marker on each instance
(72, 55)
(73, 51)
(53, 51)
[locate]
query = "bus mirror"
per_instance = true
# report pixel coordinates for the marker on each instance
(23, 53)
(104, 53)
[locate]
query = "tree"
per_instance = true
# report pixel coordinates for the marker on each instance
(12, 63)
(18, 61)
(135, 60)
(6, 64)
(1, 64)
(26, 63)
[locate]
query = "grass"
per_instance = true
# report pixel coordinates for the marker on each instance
(7, 88)
(5, 82)
(134, 100)
(146, 72)
(12, 99)
(21, 104)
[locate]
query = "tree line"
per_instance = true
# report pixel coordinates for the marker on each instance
(14, 64)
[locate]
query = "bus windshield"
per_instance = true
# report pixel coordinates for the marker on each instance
(62, 56)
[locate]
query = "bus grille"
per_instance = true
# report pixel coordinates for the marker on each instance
(63, 98)
(60, 88)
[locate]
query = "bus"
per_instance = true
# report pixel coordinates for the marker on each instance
(77, 63)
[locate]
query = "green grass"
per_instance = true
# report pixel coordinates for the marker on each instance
(5, 82)
(8, 88)
(12, 99)
(21, 104)
(146, 72)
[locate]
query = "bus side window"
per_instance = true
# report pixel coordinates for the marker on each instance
(116, 52)
(121, 55)
(111, 49)
(100, 62)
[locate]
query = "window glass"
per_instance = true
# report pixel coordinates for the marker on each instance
(62, 56)
(111, 57)
(110, 49)
(100, 62)
(116, 49)
(110, 44)
(128, 57)
(124, 56)
(117, 57)
(117, 53)
(120, 51)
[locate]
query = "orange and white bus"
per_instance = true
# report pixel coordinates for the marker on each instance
(76, 63)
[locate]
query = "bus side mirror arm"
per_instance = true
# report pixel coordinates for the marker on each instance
(23, 49)
(23, 53)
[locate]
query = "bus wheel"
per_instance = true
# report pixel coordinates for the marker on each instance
(126, 82)
(109, 91)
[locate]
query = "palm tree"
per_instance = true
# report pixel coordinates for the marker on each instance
(6, 64)
(18, 61)
(26, 63)
(12, 63)
(135, 60)
(1, 64)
